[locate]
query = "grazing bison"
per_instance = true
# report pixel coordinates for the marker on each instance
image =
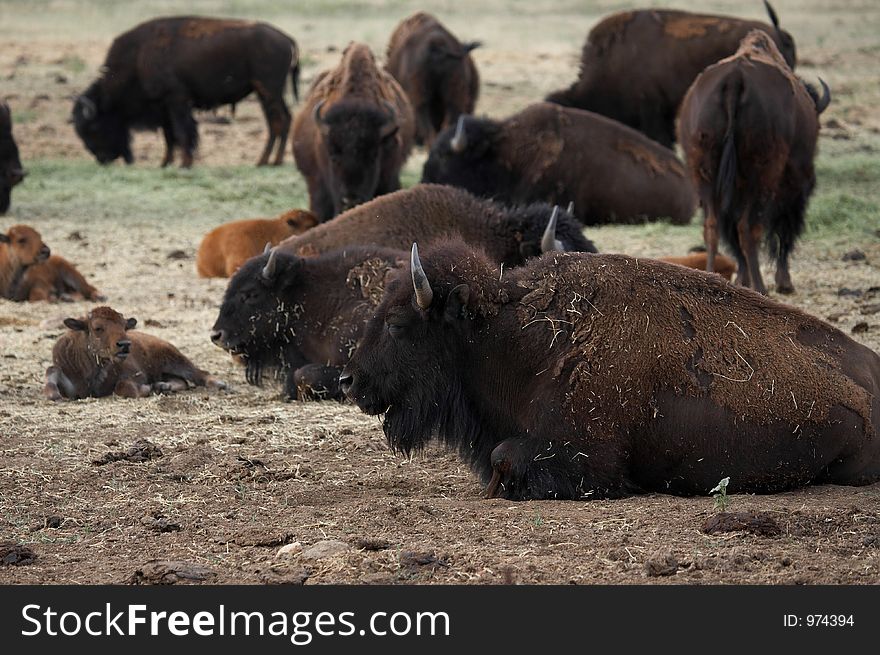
(353, 134)
(748, 127)
(102, 354)
(225, 248)
(54, 279)
(21, 247)
(157, 72)
(437, 72)
(430, 211)
(599, 376)
(637, 65)
(301, 318)
(11, 172)
(555, 154)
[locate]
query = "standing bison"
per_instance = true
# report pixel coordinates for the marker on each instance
(554, 154)
(598, 376)
(353, 134)
(437, 72)
(11, 172)
(637, 65)
(748, 128)
(156, 73)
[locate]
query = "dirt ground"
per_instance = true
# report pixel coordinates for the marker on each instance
(242, 487)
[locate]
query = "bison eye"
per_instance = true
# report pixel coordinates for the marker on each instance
(99, 330)
(396, 330)
(22, 241)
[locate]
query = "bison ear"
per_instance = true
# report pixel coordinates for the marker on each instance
(456, 303)
(4, 238)
(131, 323)
(76, 324)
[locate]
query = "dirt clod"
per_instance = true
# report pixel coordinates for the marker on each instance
(853, 256)
(156, 572)
(366, 543)
(412, 559)
(160, 523)
(757, 523)
(661, 563)
(323, 549)
(15, 554)
(141, 450)
(860, 328)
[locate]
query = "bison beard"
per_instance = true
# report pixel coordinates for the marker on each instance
(699, 380)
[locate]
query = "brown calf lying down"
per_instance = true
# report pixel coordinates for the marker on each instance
(724, 266)
(20, 247)
(225, 248)
(55, 279)
(102, 355)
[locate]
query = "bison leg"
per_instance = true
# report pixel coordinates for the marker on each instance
(129, 388)
(278, 122)
(749, 241)
(57, 386)
(315, 382)
(183, 128)
(170, 385)
(168, 133)
(783, 277)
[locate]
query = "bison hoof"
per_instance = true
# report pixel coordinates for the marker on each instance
(163, 387)
(786, 289)
(214, 383)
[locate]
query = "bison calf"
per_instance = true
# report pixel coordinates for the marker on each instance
(549, 153)
(21, 247)
(748, 127)
(11, 172)
(102, 354)
(224, 249)
(589, 376)
(55, 279)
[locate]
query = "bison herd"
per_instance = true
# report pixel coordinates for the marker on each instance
(471, 308)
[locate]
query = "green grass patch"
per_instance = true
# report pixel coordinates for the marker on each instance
(847, 197)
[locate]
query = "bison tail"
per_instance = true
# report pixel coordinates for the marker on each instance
(294, 80)
(725, 182)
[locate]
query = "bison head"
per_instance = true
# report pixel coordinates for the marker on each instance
(357, 137)
(465, 156)
(105, 331)
(25, 245)
(103, 129)
(254, 319)
(413, 359)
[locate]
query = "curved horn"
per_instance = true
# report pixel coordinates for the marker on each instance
(267, 247)
(570, 208)
(770, 12)
(549, 242)
(424, 293)
(822, 103)
(459, 140)
(89, 109)
(316, 112)
(269, 268)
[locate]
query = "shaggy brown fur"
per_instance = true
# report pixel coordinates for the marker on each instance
(427, 212)
(604, 375)
(749, 127)
(53, 280)
(11, 172)
(636, 66)
(353, 147)
(20, 247)
(225, 248)
(724, 266)
(437, 72)
(102, 354)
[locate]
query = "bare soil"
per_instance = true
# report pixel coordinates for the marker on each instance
(213, 484)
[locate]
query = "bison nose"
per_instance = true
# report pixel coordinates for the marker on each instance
(345, 380)
(124, 345)
(217, 336)
(45, 252)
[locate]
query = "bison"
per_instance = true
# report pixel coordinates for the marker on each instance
(103, 354)
(599, 376)
(21, 247)
(748, 127)
(11, 172)
(54, 279)
(429, 211)
(723, 266)
(637, 65)
(225, 248)
(302, 317)
(437, 72)
(157, 72)
(353, 134)
(549, 153)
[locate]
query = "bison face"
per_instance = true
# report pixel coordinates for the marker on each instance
(404, 366)
(25, 245)
(105, 331)
(357, 139)
(104, 132)
(255, 320)
(465, 156)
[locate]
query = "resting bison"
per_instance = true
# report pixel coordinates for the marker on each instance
(723, 266)
(554, 154)
(430, 211)
(637, 65)
(748, 127)
(103, 354)
(436, 71)
(353, 134)
(157, 72)
(54, 279)
(599, 376)
(21, 247)
(301, 317)
(225, 248)
(11, 172)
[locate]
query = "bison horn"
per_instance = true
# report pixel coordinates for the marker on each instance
(89, 110)
(549, 242)
(570, 209)
(823, 102)
(459, 140)
(267, 247)
(269, 268)
(772, 14)
(316, 112)
(424, 294)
